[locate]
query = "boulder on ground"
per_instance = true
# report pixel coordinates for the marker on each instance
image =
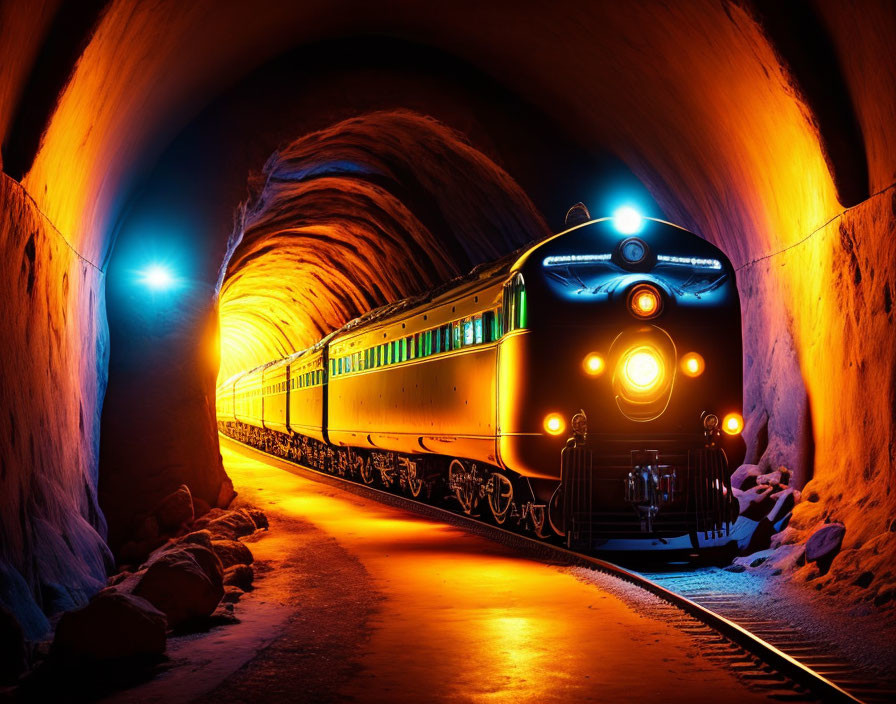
(231, 595)
(208, 517)
(232, 552)
(175, 509)
(232, 525)
(240, 576)
(113, 625)
(259, 517)
(12, 647)
(785, 500)
(744, 477)
(197, 537)
(185, 583)
(780, 476)
(755, 503)
(824, 544)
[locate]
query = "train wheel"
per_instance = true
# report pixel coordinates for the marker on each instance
(465, 487)
(555, 511)
(539, 516)
(500, 497)
(415, 483)
(367, 471)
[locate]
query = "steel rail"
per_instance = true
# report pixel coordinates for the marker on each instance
(790, 667)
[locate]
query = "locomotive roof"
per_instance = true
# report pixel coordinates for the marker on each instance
(481, 274)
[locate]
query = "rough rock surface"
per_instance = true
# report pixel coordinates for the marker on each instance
(112, 626)
(232, 552)
(176, 509)
(184, 584)
(52, 377)
(825, 543)
(231, 525)
(240, 576)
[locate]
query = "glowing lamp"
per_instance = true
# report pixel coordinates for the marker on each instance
(642, 370)
(627, 220)
(594, 364)
(733, 423)
(158, 277)
(554, 423)
(692, 364)
(645, 302)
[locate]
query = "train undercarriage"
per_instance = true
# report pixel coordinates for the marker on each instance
(658, 509)
(479, 489)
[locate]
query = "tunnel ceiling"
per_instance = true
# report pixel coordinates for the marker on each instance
(712, 105)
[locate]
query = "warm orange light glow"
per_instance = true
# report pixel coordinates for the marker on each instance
(693, 364)
(645, 301)
(594, 364)
(642, 369)
(554, 423)
(733, 423)
(525, 624)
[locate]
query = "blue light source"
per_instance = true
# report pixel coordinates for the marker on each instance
(157, 277)
(627, 220)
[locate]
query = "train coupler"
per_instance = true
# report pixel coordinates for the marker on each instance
(648, 488)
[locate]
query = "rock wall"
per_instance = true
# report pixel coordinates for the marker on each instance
(366, 212)
(53, 367)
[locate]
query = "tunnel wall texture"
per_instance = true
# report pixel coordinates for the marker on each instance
(369, 211)
(699, 99)
(52, 362)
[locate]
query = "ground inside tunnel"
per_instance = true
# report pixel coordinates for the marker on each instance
(295, 166)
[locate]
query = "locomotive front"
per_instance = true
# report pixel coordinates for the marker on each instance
(632, 325)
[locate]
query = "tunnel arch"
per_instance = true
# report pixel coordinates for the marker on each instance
(694, 98)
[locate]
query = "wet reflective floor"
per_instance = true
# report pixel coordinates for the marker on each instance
(459, 618)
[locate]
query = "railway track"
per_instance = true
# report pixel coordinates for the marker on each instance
(767, 654)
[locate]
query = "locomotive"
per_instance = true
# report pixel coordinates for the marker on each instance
(587, 388)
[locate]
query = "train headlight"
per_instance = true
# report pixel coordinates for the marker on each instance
(733, 423)
(693, 364)
(594, 364)
(554, 423)
(645, 301)
(642, 370)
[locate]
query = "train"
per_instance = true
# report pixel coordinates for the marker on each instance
(585, 389)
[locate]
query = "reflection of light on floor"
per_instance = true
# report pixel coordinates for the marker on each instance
(464, 619)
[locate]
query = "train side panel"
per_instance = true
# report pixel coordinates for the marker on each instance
(248, 399)
(425, 384)
(307, 385)
(274, 380)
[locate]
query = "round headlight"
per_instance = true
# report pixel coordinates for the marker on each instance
(693, 364)
(554, 423)
(642, 369)
(594, 364)
(733, 423)
(645, 301)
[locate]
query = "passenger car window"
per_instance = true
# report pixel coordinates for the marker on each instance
(468, 332)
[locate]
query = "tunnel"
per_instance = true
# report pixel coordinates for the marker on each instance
(296, 165)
